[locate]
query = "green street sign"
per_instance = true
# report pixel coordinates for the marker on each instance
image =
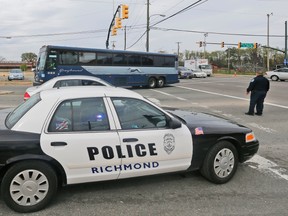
(247, 45)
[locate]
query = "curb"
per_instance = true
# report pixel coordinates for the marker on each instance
(5, 92)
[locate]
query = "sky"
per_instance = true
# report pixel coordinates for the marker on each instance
(25, 26)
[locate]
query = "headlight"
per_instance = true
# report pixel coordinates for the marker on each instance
(250, 137)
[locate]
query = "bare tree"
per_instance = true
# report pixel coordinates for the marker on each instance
(2, 59)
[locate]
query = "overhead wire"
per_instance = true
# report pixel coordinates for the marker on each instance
(216, 33)
(181, 11)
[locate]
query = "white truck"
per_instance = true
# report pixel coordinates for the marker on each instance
(199, 64)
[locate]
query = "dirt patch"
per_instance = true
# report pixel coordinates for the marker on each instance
(28, 79)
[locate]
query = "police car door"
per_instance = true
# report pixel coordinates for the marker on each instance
(81, 136)
(148, 145)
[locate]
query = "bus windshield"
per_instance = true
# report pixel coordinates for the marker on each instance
(118, 67)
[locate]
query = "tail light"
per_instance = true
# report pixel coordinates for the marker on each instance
(26, 96)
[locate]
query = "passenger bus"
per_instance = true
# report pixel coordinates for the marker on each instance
(118, 67)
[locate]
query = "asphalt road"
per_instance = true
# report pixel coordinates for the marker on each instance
(258, 188)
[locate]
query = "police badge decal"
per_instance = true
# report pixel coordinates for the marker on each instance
(169, 143)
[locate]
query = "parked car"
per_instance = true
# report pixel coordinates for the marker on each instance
(64, 81)
(199, 74)
(278, 74)
(184, 73)
(15, 74)
(87, 134)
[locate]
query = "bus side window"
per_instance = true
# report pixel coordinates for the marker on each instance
(70, 58)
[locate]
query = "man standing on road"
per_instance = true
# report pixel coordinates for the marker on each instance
(259, 86)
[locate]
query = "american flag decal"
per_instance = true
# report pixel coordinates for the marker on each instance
(199, 131)
(62, 125)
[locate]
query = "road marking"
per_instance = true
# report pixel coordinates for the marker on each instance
(267, 130)
(256, 162)
(230, 96)
(179, 98)
(266, 166)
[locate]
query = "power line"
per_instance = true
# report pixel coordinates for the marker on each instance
(216, 33)
(55, 34)
(195, 4)
(181, 11)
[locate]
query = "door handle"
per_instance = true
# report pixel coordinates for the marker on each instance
(130, 140)
(58, 143)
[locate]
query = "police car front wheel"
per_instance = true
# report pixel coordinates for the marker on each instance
(29, 186)
(220, 163)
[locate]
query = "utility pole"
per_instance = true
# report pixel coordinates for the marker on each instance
(178, 48)
(147, 27)
(125, 37)
(285, 58)
(268, 53)
(113, 44)
(204, 45)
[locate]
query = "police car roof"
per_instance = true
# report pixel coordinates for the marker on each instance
(71, 92)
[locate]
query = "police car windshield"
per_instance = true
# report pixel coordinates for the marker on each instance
(13, 117)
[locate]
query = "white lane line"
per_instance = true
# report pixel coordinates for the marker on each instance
(266, 166)
(179, 98)
(267, 130)
(257, 162)
(230, 96)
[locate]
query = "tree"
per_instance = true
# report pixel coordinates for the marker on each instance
(2, 59)
(29, 57)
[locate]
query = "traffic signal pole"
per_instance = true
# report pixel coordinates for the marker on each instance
(111, 24)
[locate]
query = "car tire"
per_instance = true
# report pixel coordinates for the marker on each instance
(274, 78)
(160, 82)
(220, 163)
(152, 82)
(29, 186)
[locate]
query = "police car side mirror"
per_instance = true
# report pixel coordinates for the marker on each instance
(174, 123)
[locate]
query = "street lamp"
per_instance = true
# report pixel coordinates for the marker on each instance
(268, 15)
(148, 28)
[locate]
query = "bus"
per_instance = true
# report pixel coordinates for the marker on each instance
(118, 67)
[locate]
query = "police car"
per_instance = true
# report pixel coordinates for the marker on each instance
(64, 81)
(77, 134)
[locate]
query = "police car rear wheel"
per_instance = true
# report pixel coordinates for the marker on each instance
(220, 163)
(29, 186)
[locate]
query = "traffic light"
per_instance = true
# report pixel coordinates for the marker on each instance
(118, 23)
(255, 45)
(114, 31)
(222, 44)
(125, 11)
(200, 44)
(239, 45)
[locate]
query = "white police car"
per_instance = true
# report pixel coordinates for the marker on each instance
(75, 135)
(65, 81)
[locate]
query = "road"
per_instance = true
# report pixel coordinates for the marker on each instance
(258, 188)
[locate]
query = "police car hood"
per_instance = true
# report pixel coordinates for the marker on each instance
(208, 122)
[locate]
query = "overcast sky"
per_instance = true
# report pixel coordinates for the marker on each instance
(25, 26)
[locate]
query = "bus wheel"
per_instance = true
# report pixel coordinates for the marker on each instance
(160, 82)
(152, 82)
